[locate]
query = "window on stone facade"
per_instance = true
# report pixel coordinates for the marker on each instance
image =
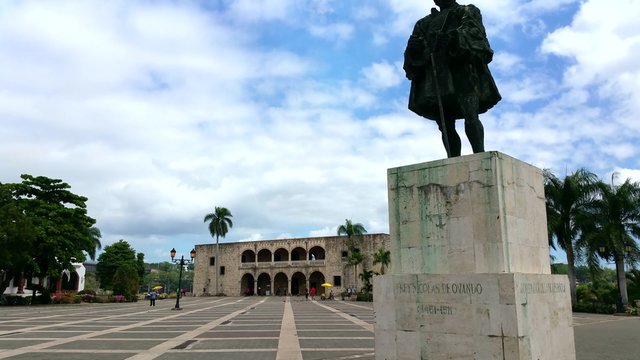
(221, 270)
(345, 254)
(212, 261)
(337, 281)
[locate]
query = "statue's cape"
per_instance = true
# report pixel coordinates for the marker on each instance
(460, 64)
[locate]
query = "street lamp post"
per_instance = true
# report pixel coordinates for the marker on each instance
(182, 262)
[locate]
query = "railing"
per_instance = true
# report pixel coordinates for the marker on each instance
(276, 264)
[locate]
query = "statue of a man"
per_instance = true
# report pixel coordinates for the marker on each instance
(446, 60)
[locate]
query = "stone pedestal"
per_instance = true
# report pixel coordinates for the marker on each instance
(470, 275)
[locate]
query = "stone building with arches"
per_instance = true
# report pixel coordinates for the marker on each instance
(281, 267)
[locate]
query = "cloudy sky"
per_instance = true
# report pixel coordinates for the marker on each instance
(288, 112)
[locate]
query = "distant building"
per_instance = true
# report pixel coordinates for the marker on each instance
(279, 267)
(67, 281)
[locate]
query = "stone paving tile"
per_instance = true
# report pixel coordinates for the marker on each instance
(72, 356)
(336, 343)
(346, 334)
(242, 344)
(336, 327)
(221, 355)
(45, 334)
(323, 354)
(234, 334)
(249, 327)
(104, 344)
(15, 344)
(148, 334)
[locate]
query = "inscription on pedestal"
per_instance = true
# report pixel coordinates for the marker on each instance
(542, 288)
(427, 309)
(438, 288)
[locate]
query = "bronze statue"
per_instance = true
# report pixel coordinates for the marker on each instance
(446, 60)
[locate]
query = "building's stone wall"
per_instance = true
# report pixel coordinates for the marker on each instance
(284, 266)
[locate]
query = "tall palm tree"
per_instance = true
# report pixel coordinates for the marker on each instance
(355, 259)
(614, 228)
(566, 203)
(353, 231)
(94, 239)
(219, 225)
(382, 257)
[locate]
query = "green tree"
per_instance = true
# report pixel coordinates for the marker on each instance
(16, 235)
(126, 281)
(613, 228)
(91, 281)
(63, 231)
(117, 256)
(219, 225)
(566, 204)
(382, 257)
(366, 276)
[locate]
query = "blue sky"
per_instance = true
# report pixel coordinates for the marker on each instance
(288, 112)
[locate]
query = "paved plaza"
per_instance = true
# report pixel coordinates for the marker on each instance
(253, 328)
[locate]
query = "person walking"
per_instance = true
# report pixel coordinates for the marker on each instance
(153, 295)
(313, 293)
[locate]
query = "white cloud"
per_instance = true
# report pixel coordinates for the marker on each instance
(383, 75)
(334, 32)
(326, 231)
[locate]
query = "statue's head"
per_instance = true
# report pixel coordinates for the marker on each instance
(444, 3)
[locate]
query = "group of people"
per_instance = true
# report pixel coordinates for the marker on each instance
(311, 292)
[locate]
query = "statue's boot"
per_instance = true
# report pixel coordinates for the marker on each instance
(455, 145)
(475, 134)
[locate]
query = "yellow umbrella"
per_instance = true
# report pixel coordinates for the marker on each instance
(157, 287)
(326, 285)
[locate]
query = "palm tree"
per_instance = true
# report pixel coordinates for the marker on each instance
(94, 237)
(566, 204)
(219, 225)
(354, 260)
(614, 228)
(382, 257)
(353, 232)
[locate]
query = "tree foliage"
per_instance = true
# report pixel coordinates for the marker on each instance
(219, 225)
(219, 222)
(50, 224)
(594, 223)
(382, 257)
(566, 205)
(612, 229)
(353, 232)
(119, 255)
(16, 234)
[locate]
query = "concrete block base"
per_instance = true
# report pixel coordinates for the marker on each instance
(473, 316)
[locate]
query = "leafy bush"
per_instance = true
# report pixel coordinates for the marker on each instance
(14, 300)
(44, 298)
(89, 298)
(66, 298)
(598, 299)
(364, 297)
